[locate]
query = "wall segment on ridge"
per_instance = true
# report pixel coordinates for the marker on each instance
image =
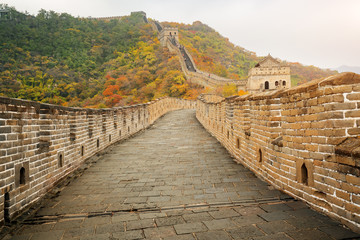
(304, 140)
(195, 75)
(41, 143)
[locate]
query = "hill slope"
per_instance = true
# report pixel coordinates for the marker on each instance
(215, 54)
(57, 58)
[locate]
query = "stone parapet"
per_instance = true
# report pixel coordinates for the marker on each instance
(40, 144)
(303, 140)
(203, 78)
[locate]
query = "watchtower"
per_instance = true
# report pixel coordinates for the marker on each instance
(5, 14)
(268, 74)
(140, 13)
(169, 33)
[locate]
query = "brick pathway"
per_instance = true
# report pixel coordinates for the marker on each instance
(174, 181)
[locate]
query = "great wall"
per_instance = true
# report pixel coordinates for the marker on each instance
(303, 140)
(41, 144)
(169, 37)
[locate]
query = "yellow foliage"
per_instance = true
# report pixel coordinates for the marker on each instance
(73, 30)
(229, 90)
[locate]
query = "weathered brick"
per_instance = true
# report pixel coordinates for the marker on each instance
(344, 123)
(331, 115)
(5, 129)
(340, 106)
(353, 113)
(345, 160)
(353, 96)
(342, 194)
(335, 200)
(353, 131)
(356, 199)
(353, 180)
(352, 207)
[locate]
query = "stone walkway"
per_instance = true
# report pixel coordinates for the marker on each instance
(174, 181)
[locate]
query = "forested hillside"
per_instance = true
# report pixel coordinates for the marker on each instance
(57, 58)
(215, 54)
(60, 59)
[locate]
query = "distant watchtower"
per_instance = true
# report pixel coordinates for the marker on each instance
(5, 14)
(268, 74)
(140, 13)
(171, 33)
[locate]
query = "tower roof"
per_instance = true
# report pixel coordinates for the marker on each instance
(268, 61)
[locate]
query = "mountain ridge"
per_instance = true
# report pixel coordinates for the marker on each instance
(57, 58)
(345, 68)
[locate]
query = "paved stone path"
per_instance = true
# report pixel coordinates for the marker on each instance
(174, 181)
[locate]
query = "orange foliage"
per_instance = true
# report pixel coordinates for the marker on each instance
(242, 92)
(110, 90)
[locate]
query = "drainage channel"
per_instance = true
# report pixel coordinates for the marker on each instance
(55, 218)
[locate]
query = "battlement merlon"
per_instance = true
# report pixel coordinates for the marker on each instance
(142, 13)
(168, 32)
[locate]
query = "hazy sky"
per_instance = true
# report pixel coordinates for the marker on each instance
(324, 33)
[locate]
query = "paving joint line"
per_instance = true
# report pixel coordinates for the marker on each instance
(56, 218)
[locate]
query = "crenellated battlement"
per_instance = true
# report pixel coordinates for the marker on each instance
(42, 143)
(302, 140)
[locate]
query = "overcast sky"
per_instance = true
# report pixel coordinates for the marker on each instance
(324, 33)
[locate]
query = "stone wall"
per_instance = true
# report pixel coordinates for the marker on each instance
(304, 140)
(41, 144)
(203, 78)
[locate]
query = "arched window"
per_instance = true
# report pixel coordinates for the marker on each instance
(22, 176)
(60, 160)
(266, 85)
(6, 207)
(304, 174)
(276, 83)
(284, 83)
(260, 156)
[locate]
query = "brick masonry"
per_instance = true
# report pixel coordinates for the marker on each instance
(41, 143)
(303, 140)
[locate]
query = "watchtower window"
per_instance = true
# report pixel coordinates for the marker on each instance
(97, 143)
(266, 85)
(304, 174)
(6, 208)
(260, 155)
(238, 143)
(60, 160)
(22, 176)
